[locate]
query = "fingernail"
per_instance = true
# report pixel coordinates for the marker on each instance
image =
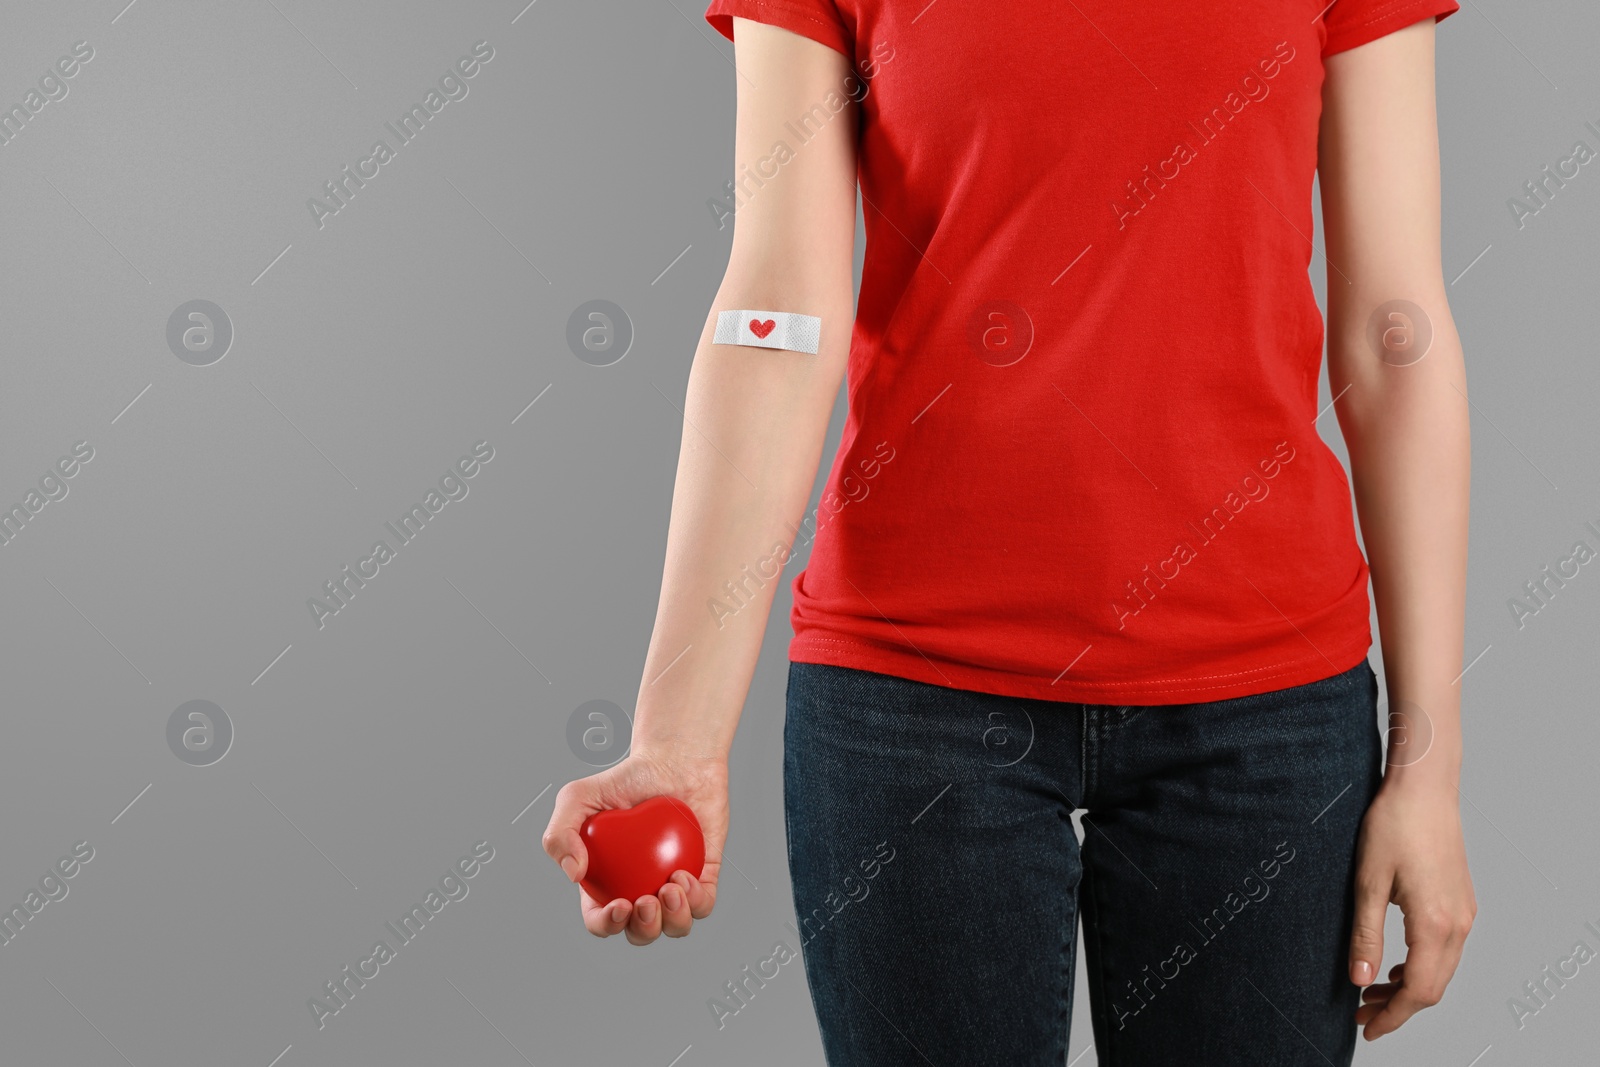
(570, 867)
(618, 913)
(1363, 972)
(672, 897)
(647, 911)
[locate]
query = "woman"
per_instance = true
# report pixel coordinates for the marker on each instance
(1082, 546)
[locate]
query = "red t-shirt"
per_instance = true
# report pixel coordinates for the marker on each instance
(1081, 462)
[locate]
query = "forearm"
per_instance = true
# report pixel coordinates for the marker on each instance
(1407, 430)
(753, 432)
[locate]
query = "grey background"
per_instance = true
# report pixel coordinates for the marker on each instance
(427, 715)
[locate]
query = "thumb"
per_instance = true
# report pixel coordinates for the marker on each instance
(1366, 931)
(561, 840)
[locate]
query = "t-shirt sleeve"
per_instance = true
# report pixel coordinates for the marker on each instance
(816, 19)
(1355, 22)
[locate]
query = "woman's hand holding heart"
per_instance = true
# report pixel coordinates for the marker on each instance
(700, 784)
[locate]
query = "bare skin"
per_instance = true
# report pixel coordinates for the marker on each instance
(755, 425)
(1407, 432)
(755, 428)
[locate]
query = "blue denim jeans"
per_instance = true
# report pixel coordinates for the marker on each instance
(938, 878)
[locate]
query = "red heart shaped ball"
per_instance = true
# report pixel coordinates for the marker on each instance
(633, 851)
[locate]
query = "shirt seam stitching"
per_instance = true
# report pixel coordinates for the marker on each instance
(1271, 670)
(787, 9)
(1383, 13)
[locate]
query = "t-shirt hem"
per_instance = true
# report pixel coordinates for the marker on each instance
(848, 652)
(1386, 19)
(793, 18)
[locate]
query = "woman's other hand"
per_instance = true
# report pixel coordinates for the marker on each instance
(1410, 853)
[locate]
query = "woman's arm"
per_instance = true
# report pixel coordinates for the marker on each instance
(754, 424)
(1406, 425)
